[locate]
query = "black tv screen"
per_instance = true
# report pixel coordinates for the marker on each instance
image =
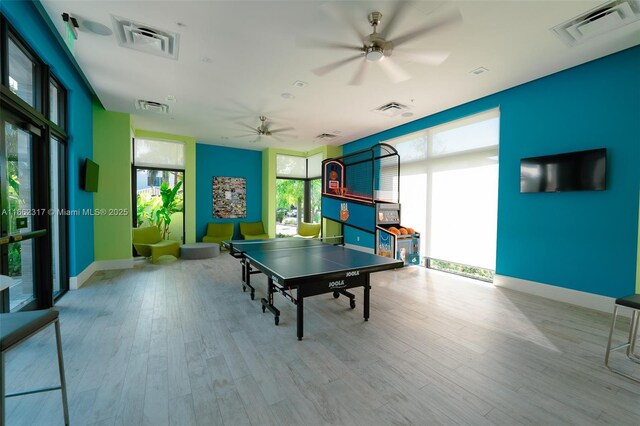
(90, 176)
(572, 171)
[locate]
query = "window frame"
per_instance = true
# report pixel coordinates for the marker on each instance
(37, 117)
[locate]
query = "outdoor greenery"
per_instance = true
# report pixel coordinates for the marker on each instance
(290, 196)
(15, 201)
(459, 269)
(157, 210)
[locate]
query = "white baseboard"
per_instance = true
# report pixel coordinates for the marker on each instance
(574, 297)
(98, 265)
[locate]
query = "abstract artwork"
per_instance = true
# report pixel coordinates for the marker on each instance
(229, 197)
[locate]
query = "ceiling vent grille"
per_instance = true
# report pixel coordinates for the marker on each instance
(391, 109)
(145, 38)
(603, 19)
(151, 106)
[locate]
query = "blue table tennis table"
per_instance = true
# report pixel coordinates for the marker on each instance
(307, 267)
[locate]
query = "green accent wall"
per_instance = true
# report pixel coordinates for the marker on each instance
(112, 152)
(189, 177)
(269, 185)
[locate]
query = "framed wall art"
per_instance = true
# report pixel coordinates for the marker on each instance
(229, 197)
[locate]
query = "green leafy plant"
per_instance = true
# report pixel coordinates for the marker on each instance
(157, 210)
(170, 204)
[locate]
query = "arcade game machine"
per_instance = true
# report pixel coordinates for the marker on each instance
(361, 192)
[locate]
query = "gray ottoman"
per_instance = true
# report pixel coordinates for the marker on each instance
(199, 251)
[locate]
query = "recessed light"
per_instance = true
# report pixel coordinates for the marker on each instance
(287, 95)
(480, 70)
(299, 83)
(407, 114)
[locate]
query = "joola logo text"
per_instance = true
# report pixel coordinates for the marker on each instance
(353, 273)
(337, 284)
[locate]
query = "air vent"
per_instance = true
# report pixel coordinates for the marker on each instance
(145, 38)
(151, 106)
(326, 136)
(603, 19)
(391, 109)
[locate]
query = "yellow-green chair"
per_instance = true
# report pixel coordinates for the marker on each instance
(308, 230)
(149, 243)
(218, 232)
(253, 231)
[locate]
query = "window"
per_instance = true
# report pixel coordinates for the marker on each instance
(22, 75)
(57, 99)
(159, 154)
(158, 168)
(449, 192)
(38, 263)
(298, 189)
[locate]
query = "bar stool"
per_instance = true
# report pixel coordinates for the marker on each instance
(17, 327)
(631, 302)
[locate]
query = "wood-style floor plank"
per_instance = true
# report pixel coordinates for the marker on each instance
(181, 344)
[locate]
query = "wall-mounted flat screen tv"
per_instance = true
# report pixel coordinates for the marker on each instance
(572, 171)
(91, 172)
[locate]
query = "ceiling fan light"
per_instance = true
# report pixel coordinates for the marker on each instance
(374, 53)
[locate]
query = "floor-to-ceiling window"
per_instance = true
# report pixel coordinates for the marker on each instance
(449, 192)
(32, 177)
(298, 190)
(158, 186)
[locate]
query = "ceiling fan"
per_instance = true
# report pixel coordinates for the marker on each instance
(264, 130)
(377, 47)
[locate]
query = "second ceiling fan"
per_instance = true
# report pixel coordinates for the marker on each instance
(264, 130)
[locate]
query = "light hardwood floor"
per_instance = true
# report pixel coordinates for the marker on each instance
(181, 344)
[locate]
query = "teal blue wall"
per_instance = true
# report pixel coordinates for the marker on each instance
(28, 22)
(220, 161)
(578, 240)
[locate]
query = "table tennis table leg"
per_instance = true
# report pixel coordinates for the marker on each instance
(246, 278)
(367, 287)
(268, 303)
(300, 315)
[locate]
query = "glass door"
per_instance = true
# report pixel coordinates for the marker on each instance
(21, 224)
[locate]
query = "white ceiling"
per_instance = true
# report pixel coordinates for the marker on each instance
(255, 58)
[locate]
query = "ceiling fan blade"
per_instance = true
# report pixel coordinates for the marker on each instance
(245, 135)
(429, 58)
(331, 9)
(393, 71)
(450, 18)
(277, 138)
(284, 129)
(246, 126)
(334, 65)
(258, 139)
(389, 24)
(358, 78)
(322, 44)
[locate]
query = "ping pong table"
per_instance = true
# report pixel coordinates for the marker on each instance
(309, 267)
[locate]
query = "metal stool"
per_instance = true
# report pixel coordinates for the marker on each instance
(631, 302)
(17, 327)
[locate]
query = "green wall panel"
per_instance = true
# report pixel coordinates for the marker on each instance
(112, 151)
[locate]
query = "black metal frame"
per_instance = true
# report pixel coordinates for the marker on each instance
(391, 152)
(35, 120)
